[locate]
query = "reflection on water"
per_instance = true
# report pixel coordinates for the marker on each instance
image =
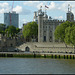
(36, 66)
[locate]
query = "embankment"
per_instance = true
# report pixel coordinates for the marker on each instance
(38, 55)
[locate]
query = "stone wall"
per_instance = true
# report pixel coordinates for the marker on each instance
(47, 47)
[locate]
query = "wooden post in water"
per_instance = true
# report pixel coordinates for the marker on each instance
(70, 56)
(34, 55)
(73, 56)
(55, 56)
(52, 56)
(59, 56)
(67, 56)
(44, 55)
(64, 56)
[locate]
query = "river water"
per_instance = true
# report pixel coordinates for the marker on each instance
(36, 66)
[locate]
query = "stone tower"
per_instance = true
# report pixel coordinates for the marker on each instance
(70, 15)
(40, 25)
(35, 17)
(47, 25)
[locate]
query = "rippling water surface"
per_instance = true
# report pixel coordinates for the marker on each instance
(36, 66)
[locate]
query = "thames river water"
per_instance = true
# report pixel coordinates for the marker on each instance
(36, 66)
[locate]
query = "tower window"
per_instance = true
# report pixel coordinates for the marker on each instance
(50, 31)
(44, 31)
(50, 37)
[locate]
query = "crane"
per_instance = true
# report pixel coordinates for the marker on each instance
(11, 11)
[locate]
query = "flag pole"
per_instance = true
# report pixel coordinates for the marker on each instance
(40, 7)
(45, 10)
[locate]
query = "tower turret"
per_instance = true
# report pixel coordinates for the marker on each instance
(45, 16)
(40, 25)
(35, 16)
(70, 15)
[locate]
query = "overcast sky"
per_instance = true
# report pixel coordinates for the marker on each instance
(57, 9)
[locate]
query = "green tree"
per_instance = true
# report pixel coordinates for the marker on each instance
(57, 33)
(67, 35)
(2, 28)
(73, 36)
(31, 29)
(10, 31)
(60, 30)
(70, 36)
(17, 30)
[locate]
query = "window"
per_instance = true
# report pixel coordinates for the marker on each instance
(50, 31)
(44, 31)
(5, 17)
(46, 26)
(50, 37)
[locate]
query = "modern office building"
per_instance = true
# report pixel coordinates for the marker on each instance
(11, 19)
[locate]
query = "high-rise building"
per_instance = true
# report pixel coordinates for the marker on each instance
(11, 19)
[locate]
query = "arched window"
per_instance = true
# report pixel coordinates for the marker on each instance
(27, 49)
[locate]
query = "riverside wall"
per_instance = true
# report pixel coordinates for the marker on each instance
(47, 47)
(37, 55)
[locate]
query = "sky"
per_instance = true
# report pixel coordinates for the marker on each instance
(26, 9)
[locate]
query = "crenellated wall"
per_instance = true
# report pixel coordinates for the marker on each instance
(47, 25)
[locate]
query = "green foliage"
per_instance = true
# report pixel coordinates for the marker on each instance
(66, 33)
(57, 33)
(70, 35)
(31, 29)
(73, 36)
(17, 30)
(60, 30)
(2, 28)
(11, 31)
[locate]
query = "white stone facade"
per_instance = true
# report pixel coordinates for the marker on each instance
(47, 26)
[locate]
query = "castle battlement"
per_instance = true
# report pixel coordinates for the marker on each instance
(53, 21)
(47, 25)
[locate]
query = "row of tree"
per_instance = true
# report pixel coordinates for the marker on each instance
(10, 31)
(65, 32)
(29, 31)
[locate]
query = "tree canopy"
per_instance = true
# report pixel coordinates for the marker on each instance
(31, 29)
(65, 32)
(11, 31)
(70, 35)
(60, 30)
(2, 28)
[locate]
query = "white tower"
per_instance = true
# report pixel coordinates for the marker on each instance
(40, 26)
